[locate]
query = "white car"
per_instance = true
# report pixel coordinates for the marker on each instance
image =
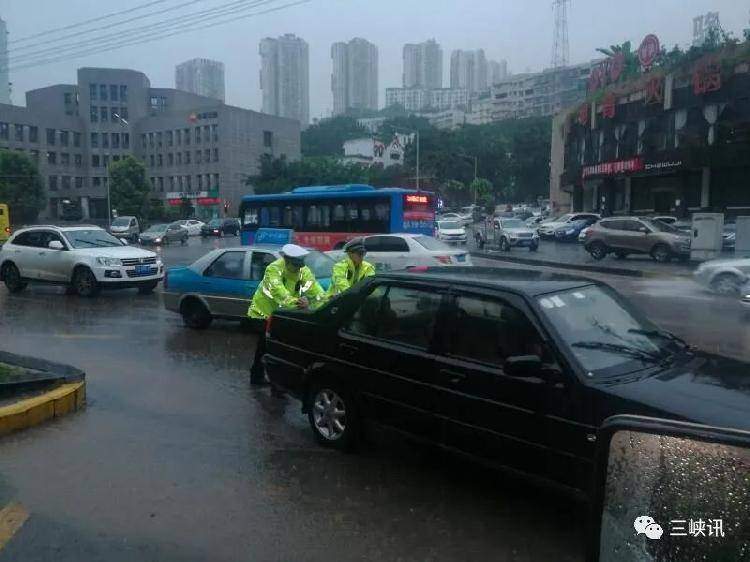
(547, 228)
(726, 277)
(451, 231)
(193, 226)
(399, 251)
(84, 258)
(464, 219)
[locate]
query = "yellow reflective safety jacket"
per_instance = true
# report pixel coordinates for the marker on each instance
(345, 275)
(281, 289)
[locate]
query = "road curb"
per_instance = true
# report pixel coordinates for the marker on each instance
(64, 399)
(582, 267)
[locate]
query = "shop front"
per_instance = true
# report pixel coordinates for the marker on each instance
(204, 205)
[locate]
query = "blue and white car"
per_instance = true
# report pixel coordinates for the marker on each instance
(221, 283)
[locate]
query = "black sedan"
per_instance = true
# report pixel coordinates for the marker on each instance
(221, 227)
(517, 368)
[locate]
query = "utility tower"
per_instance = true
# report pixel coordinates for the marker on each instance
(560, 45)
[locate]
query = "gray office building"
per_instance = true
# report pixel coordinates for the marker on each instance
(354, 82)
(204, 77)
(285, 77)
(193, 146)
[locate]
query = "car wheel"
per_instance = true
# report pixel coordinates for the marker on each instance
(221, 234)
(12, 276)
(333, 415)
(504, 244)
(621, 255)
(195, 315)
(236, 233)
(84, 283)
(183, 240)
(727, 284)
(598, 250)
(661, 253)
(534, 247)
(147, 289)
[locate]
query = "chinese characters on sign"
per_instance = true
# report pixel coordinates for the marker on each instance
(613, 168)
(655, 90)
(607, 72)
(696, 528)
(608, 106)
(649, 51)
(706, 77)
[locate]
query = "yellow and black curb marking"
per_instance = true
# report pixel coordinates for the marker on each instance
(12, 518)
(64, 399)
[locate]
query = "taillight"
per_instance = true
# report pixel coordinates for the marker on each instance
(418, 268)
(443, 259)
(7, 230)
(269, 320)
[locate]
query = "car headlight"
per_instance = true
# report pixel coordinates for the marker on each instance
(569, 232)
(109, 261)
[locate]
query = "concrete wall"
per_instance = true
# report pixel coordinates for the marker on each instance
(560, 201)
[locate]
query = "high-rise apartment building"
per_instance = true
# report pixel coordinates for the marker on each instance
(204, 77)
(4, 74)
(285, 77)
(423, 65)
(469, 70)
(354, 81)
(498, 71)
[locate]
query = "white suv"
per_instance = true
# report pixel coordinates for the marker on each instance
(85, 258)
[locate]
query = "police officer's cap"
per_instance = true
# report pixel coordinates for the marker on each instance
(293, 251)
(356, 245)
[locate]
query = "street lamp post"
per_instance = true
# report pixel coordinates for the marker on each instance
(109, 200)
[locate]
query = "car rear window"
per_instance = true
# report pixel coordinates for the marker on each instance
(431, 244)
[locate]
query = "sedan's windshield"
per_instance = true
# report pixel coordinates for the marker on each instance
(660, 226)
(606, 336)
(121, 221)
(157, 229)
(513, 223)
(94, 238)
(320, 264)
(448, 225)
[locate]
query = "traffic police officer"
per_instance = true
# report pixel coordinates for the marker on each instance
(287, 283)
(352, 269)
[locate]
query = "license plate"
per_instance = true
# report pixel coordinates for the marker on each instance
(142, 269)
(462, 257)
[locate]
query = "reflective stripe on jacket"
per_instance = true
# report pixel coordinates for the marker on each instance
(345, 275)
(281, 289)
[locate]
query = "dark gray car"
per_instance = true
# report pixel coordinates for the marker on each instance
(162, 234)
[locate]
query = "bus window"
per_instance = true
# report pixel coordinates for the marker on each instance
(339, 215)
(382, 212)
(325, 216)
(287, 217)
(250, 217)
(298, 217)
(313, 216)
(352, 211)
(265, 219)
(275, 217)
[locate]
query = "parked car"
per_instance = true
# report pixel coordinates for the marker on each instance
(221, 283)
(514, 233)
(547, 228)
(632, 235)
(582, 235)
(126, 227)
(163, 234)
(221, 227)
(461, 218)
(518, 368)
(663, 218)
(724, 276)
(399, 251)
(728, 237)
(193, 226)
(570, 231)
(533, 222)
(84, 258)
(451, 232)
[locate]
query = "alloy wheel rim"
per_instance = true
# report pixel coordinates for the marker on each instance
(329, 414)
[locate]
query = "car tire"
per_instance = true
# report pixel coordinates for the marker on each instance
(236, 233)
(195, 315)
(533, 247)
(504, 244)
(727, 284)
(85, 283)
(333, 415)
(13, 281)
(661, 253)
(183, 240)
(621, 255)
(597, 250)
(147, 289)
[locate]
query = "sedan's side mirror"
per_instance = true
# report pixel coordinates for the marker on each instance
(524, 366)
(55, 245)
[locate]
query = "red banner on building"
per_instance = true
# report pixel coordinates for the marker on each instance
(614, 168)
(209, 200)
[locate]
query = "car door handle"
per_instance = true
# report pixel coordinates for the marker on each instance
(349, 349)
(454, 377)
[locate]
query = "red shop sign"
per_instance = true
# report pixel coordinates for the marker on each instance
(174, 202)
(209, 200)
(649, 50)
(614, 168)
(608, 106)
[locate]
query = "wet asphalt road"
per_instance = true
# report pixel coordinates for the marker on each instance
(177, 458)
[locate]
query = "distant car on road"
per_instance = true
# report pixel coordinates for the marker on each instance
(533, 222)
(572, 230)
(221, 227)
(513, 233)
(451, 232)
(221, 283)
(724, 276)
(632, 235)
(126, 227)
(464, 219)
(163, 234)
(548, 227)
(193, 226)
(517, 368)
(399, 251)
(84, 258)
(729, 237)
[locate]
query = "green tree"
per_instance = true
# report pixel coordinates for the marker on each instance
(277, 174)
(327, 137)
(128, 187)
(20, 187)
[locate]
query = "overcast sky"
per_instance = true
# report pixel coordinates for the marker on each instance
(519, 31)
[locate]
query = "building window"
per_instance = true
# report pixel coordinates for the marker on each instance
(103, 92)
(208, 181)
(34, 155)
(114, 116)
(115, 140)
(197, 135)
(64, 138)
(216, 154)
(52, 183)
(77, 140)
(126, 140)
(151, 140)
(51, 137)
(197, 156)
(95, 161)
(268, 139)
(105, 140)
(200, 181)
(33, 134)
(170, 159)
(188, 183)
(103, 114)
(207, 155)
(179, 137)
(179, 183)
(79, 182)
(113, 92)
(79, 160)
(159, 139)
(52, 158)
(19, 133)
(92, 92)
(124, 113)
(179, 158)
(143, 140)
(187, 136)
(216, 182)
(170, 138)
(207, 132)
(123, 93)
(105, 160)
(151, 160)
(171, 183)
(4, 131)
(94, 114)
(65, 159)
(187, 157)
(96, 181)
(215, 133)
(65, 182)
(158, 104)
(116, 158)
(161, 160)
(161, 184)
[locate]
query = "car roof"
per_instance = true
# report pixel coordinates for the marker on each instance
(525, 282)
(58, 228)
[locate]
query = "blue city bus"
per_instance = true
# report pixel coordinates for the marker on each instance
(326, 217)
